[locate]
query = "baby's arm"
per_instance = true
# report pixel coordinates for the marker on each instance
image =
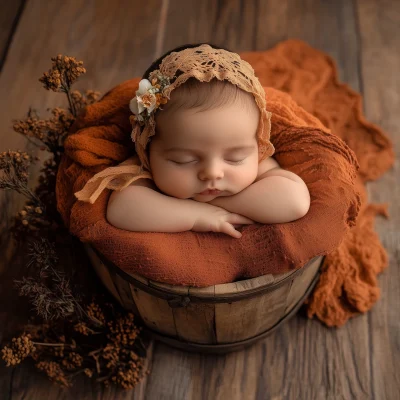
(277, 196)
(142, 209)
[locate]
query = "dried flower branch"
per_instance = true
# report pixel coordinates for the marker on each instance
(49, 303)
(63, 353)
(49, 290)
(19, 349)
(14, 166)
(68, 338)
(51, 133)
(81, 101)
(63, 73)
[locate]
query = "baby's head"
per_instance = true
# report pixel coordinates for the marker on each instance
(218, 124)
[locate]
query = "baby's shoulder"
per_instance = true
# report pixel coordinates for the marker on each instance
(145, 182)
(266, 165)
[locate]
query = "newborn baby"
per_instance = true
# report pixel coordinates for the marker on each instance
(205, 164)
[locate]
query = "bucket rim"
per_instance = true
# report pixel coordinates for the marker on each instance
(181, 300)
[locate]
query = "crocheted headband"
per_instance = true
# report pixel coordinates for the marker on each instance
(203, 63)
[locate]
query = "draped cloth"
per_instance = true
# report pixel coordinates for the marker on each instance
(319, 133)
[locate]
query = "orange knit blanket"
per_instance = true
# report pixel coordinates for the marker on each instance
(321, 136)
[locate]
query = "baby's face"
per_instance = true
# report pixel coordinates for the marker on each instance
(208, 160)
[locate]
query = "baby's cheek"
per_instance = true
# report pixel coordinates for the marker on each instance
(172, 181)
(244, 177)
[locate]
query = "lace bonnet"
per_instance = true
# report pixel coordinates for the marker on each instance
(203, 63)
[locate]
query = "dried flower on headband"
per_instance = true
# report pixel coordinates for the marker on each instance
(149, 96)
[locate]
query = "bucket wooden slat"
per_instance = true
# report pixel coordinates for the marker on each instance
(249, 317)
(299, 285)
(156, 313)
(124, 290)
(195, 323)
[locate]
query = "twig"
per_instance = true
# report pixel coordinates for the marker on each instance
(76, 373)
(54, 344)
(66, 89)
(104, 378)
(92, 353)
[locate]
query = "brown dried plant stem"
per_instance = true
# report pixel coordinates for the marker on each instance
(53, 344)
(67, 89)
(14, 184)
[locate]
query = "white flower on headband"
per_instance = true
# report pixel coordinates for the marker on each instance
(143, 99)
(149, 96)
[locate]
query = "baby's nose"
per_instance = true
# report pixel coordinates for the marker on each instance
(210, 172)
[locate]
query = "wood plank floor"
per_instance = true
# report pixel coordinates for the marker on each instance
(117, 41)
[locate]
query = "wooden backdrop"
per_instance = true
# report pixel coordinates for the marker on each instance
(117, 40)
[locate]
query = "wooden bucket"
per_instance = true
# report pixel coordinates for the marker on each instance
(214, 319)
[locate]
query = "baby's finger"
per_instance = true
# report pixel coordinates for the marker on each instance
(230, 230)
(241, 219)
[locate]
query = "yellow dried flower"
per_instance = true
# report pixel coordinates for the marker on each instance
(94, 311)
(123, 330)
(130, 375)
(59, 351)
(92, 96)
(51, 80)
(111, 353)
(20, 348)
(72, 361)
(53, 371)
(64, 72)
(31, 127)
(9, 356)
(81, 101)
(88, 372)
(82, 328)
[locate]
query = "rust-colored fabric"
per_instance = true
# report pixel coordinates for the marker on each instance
(339, 223)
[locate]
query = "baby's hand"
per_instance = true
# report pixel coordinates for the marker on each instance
(217, 219)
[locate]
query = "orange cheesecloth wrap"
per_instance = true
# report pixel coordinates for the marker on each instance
(317, 131)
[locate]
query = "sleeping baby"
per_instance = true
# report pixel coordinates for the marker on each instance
(207, 148)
